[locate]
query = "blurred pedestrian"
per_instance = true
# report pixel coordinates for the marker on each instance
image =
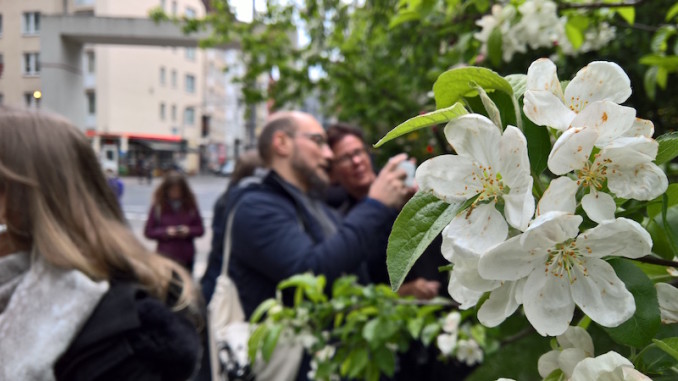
(116, 184)
(174, 220)
(80, 296)
(352, 170)
(245, 167)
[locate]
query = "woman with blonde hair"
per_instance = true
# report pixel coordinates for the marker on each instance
(80, 296)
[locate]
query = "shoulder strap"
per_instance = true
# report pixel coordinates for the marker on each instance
(227, 239)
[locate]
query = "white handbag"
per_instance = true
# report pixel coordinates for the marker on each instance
(229, 333)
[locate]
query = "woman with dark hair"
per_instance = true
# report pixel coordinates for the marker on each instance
(80, 296)
(174, 220)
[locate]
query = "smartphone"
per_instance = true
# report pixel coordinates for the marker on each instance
(409, 168)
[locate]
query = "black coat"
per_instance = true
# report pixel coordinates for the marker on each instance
(131, 336)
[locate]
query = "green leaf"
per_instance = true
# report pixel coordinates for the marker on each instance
(518, 83)
(627, 13)
(574, 34)
(490, 107)
(673, 11)
(425, 120)
(639, 330)
(271, 341)
(668, 147)
(262, 309)
(538, 145)
(659, 231)
(556, 375)
(415, 325)
(668, 62)
(494, 47)
(662, 77)
(403, 17)
(669, 346)
(458, 83)
(354, 363)
(420, 221)
(385, 360)
(655, 206)
(650, 82)
(255, 341)
(429, 333)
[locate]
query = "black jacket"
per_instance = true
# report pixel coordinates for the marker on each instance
(131, 336)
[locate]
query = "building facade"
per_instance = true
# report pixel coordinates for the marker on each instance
(145, 104)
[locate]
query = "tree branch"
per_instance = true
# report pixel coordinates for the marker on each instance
(517, 336)
(656, 261)
(631, 3)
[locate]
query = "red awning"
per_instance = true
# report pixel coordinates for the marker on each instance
(133, 135)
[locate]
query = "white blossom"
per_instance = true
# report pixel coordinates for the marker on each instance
(575, 345)
(451, 322)
(562, 267)
(608, 367)
(469, 352)
(446, 343)
(667, 296)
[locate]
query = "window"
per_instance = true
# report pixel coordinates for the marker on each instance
(0, 25)
(190, 13)
(174, 113)
(174, 79)
(31, 23)
(31, 63)
(91, 103)
(190, 83)
(190, 54)
(189, 116)
(91, 63)
(162, 111)
(162, 75)
(174, 8)
(31, 101)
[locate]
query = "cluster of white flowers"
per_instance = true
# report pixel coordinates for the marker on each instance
(536, 24)
(545, 262)
(466, 350)
(323, 355)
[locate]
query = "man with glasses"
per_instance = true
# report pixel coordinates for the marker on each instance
(352, 170)
(282, 227)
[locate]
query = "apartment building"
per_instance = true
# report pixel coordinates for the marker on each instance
(144, 103)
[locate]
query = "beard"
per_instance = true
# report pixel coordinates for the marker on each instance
(317, 183)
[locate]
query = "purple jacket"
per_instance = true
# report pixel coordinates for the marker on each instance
(180, 249)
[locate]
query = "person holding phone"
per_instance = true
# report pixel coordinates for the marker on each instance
(174, 220)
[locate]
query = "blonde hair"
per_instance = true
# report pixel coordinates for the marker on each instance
(59, 206)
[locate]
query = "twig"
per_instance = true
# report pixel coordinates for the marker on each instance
(525, 332)
(656, 261)
(631, 3)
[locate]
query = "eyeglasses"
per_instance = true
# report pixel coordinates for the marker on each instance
(319, 139)
(347, 158)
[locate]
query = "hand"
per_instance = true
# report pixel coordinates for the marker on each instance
(389, 187)
(172, 231)
(183, 230)
(420, 288)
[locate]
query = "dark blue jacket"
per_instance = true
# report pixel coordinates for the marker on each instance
(274, 237)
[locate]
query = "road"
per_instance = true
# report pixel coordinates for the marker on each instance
(136, 201)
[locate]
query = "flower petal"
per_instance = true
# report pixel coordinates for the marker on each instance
(631, 374)
(642, 182)
(621, 237)
(569, 358)
(641, 127)
(474, 136)
(598, 81)
(519, 204)
(629, 151)
(514, 164)
(601, 294)
(545, 109)
(542, 75)
(548, 362)
(549, 229)
(465, 297)
(577, 337)
(509, 261)
(466, 271)
(478, 229)
(668, 302)
(500, 305)
(593, 368)
(449, 177)
(571, 151)
(559, 196)
(611, 120)
(548, 303)
(599, 206)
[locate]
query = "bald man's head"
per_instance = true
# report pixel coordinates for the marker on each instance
(285, 121)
